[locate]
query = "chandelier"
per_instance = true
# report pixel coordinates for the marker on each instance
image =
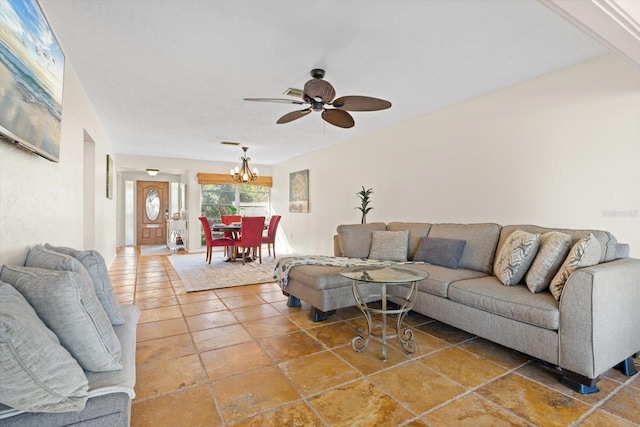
(244, 174)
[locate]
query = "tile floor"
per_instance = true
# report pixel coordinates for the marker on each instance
(241, 357)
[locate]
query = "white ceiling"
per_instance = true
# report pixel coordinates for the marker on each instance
(167, 78)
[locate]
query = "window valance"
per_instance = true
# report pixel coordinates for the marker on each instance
(221, 178)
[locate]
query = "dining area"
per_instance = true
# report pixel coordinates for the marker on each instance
(242, 237)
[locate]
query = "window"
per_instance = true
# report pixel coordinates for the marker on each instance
(234, 199)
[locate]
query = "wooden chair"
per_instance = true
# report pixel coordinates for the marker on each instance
(211, 242)
(251, 236)
(270, 238)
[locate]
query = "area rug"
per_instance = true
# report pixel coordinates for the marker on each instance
(197, 275)
(147, 250)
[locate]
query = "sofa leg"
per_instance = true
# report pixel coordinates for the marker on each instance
(627, 367)
(579, 383)
(316, 315)
(293, 301)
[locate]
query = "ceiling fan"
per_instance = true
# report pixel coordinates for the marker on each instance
(319, 94)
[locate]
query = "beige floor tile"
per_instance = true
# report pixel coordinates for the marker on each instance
(360, 403)
(333, 334)
(254, 312)
(165, 348)
(369, 360)
(270, 326)
(156, 293)
(424, 343)
(163, 376)
(295, 414)
(150, 303)
(273, 296)
(466, 368)
(626, 404)
(200, 307)
(317, 372)
(417, 387)
(224, 336)
(535, 403)
(249, 394)
(193, 407)
(496, 353)
(285, 347)
(161, 328)
(196, 297)
(473, 411)
(234, 360)
(162, 313)
(601, 418)
(210, 320)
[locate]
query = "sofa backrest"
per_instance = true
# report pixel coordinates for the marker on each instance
(608, 242)
(480, 248)
(417, 230)
(354, 240)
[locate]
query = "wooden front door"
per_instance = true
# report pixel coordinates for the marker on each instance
(152, 201)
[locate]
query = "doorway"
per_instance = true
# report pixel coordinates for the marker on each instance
(152, 203)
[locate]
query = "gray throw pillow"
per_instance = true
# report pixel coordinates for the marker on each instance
(389, 245)
(515, 257)
(67, 304)
(554, 247)
(37, 374)
(440, 251)
(585, 253)
(97, 269)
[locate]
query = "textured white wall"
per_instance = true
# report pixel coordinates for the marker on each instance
(42, 201)
(561, 150)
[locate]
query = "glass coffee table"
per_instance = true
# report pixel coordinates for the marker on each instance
(395, 295)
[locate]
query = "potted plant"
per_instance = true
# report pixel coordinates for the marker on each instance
(364, 203)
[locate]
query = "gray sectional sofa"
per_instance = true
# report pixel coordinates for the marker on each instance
(67, 347)
(585, 325)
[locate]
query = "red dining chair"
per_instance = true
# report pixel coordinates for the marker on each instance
(226, 220)
(251, 236)
(270, 238)
(211, 242)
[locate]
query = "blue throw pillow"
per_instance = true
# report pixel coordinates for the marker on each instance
(440, 251)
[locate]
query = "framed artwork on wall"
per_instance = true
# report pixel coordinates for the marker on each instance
(109, 177)
(299, 191)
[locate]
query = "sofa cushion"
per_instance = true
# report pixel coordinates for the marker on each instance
(585, 253)
(554, 248)
(37, 374)
(355, 239)
(97, 269)
(68, 305)
(513, 302)
(389, 245)
(441, 277)
(417, 230)
(481, 239)
(319, 276)
(439, 251)
(515, 257)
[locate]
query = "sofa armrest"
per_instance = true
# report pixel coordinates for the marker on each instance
(598, 317)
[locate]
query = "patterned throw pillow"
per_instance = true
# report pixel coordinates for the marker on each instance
(389, 245)
(515, 257)
(585, 253)
(554, 247)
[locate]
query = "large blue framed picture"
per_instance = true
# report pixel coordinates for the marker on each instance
(31, 79)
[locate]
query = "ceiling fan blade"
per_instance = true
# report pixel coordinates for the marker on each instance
(360, 103)
(279, 100)
(338, 118)
(316, 88)
(294, 115)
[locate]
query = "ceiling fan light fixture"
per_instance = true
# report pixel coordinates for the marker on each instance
(152, 172)
(244, 173)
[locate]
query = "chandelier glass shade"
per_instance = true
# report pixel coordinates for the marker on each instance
(152, 172)
(244, 173)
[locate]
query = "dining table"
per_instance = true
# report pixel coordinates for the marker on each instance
(235, 228)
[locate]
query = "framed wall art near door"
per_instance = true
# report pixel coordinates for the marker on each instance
(299, 191)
